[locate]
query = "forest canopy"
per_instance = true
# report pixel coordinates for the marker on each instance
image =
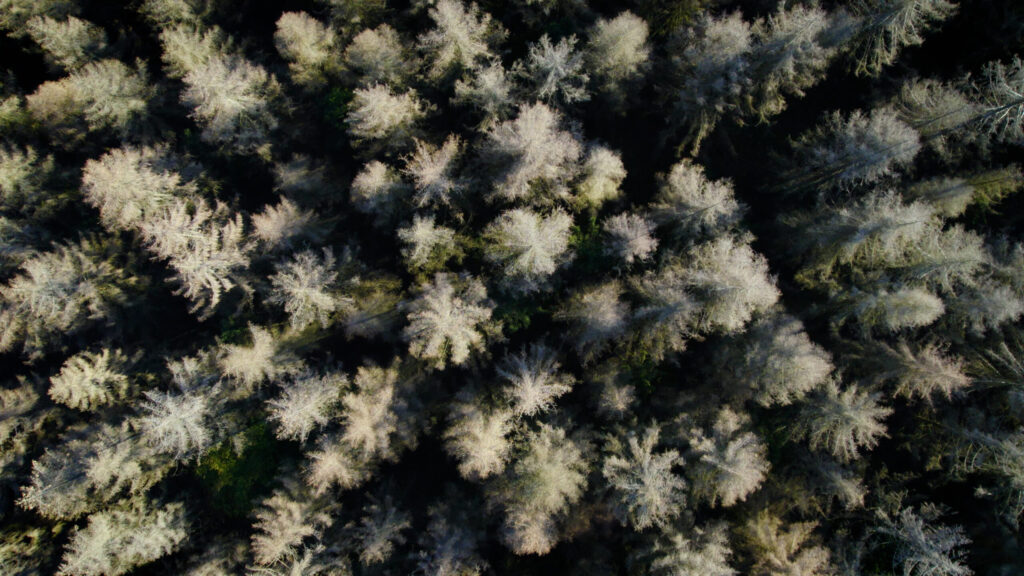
(456, 288)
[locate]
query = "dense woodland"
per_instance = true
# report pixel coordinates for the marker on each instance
(666, 287)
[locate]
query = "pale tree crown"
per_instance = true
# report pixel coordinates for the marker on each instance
(178, 423)
(533, 380)
(425, 241)
(445, 320)
(778, 363)
(380, 530)
(843, 421)
(130, 185)
(489, 90)
(284, 521)
(306, 403)
(116, 541)
(729, 463)
(548, 476)
(597, 315)
(377, 56)
(58, 292)
(785, 549)
(205, 245)
(69, 43)
(537, 154)
(23, 179)
(557, 71)
(691, 205)
(89, 380)
(923, 546)
(630, 237)
(648, 491)
(460, 38)
(309, 46)
(529, 247)
(433, 172)
(306, 287)
(617, 49)
(704, 551)
(731, 281)
(888, 26)
(478, 439)
(601, 175)
(379, 114)
(252, 364)
(231, 99)
(279, 225)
